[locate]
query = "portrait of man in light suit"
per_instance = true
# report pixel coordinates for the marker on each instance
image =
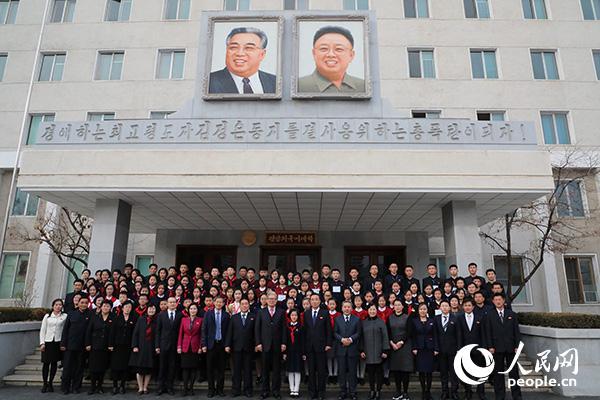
(246, 48)
(333, 52)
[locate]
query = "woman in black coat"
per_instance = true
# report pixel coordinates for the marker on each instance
(424, 347)
(294, 354)
(96, 342)
(120, 346)
(142, 343)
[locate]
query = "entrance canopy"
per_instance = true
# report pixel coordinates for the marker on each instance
(290, 211)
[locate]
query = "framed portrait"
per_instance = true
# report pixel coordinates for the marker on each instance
(332, 57)
(244, 58)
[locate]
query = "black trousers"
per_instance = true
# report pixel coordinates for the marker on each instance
(317, 373)
(216, 361)
(375, 375)
(347, 374)
(502, 361)
(271, 371)
(73, 366)
(166, 371)
(242, 370)
(446, 365)
(401, 378)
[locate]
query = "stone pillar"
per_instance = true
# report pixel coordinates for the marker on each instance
(417, 251)
(461, 234)
(110, 231)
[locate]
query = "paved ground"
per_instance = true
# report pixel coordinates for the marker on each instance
(32, 393)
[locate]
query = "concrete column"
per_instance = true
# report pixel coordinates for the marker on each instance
(110, 231)
(417, 251)
(461, 234)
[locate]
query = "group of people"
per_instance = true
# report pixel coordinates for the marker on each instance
(313, 326)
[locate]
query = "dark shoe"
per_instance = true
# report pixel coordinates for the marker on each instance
(123, 390)
(77, 391)
(377, 395)
(386, 381)
(91, 391)
(210, 395)
(65, 392)
(45, 388)
(221, 393)
(171, 392)
(371, 395)
(100, 390)
(160, 392)
(353, 397)
(276, 396)
(185, 393)
(115, 390)
(342, 396)
(50, 388)
(264, 395)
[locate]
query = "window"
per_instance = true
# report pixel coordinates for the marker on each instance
(237, 5)
(177, 9)
(595, 55)
(118, 10)
(581, 281)
(555, 128)
(426, 114)
(8, 11)
(63, 11)
(483, 64)
(534, 9)
(160, 114)
(570, 198)
(517, 277)
(356, 5)
(78, 267)
(3, 58)
(34, 125)
(477, 8)
(544, 64)
(52, 67)
(24, 204)
(109, 65)
(591, 9)
(416, 9)
(13, 274)
(100, 116)
(490, 115)
(143, 262)
(420, 63)
(170, 64)
(295, 4)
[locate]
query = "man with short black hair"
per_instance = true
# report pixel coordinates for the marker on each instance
(72, 343)
(317, 341)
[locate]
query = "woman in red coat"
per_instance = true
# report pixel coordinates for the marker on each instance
(188, 345)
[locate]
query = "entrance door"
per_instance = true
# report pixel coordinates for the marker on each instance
(206, 256)
(286, 259)
(382, 256)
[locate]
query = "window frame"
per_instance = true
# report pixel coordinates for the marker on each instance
(584, 203)
(554, 52)
(412, 112)
(524, 272)
(167, 113)
(595, 61)
(99, 53)
(164, 14)
(25, 207)
(416, 7)
(44, 116)
(90, 114)
(2, 259)
(596, 276)
(533, 10)
(108, 2)
(476, 8)
(63, 13)
(421, 71)
(555, 133)
(43, 55)
(482, 52)
(3, 55)
(355, 7)
(13, 16)
(491, 112)
(172, 53)
(595, 11)
(296, 2)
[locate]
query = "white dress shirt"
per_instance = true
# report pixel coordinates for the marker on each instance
(469, 319)
(52, 326)
(255, 83)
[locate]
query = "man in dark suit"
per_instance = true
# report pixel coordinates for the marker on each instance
(270, 341)
(214, 329)
(471, 331)
(239, 341)
(346, 333)
(472, 267)
(317, 341)
(73, 344)
(446, 334)
(409, 279)
(246, 48)
(167, 331)
(503, 338)
(432, 277)
(77, 287)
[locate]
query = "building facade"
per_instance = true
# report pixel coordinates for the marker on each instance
(530, 68)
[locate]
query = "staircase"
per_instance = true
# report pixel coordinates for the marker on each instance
(30, 374)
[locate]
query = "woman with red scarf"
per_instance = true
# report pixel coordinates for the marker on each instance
(143, 355)
(294, 353)
(332, 365)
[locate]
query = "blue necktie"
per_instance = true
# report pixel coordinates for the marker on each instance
(218, 323)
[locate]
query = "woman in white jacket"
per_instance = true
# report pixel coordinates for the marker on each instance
(50, 335)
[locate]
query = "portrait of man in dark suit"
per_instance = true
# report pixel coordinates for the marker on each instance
(246, 48)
